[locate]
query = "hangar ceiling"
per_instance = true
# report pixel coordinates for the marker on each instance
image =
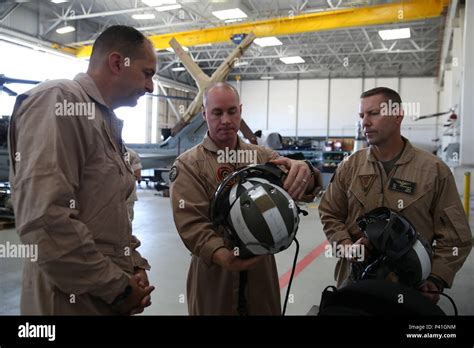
(340, 52)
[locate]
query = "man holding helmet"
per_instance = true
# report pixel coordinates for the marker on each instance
(213, 285)
(392, 173)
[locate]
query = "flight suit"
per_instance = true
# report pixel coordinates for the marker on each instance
(420, 187)
(69, 187)
(133, 160)
(211, 289)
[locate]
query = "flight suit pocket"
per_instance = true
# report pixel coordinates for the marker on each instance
(109, 150)
(458, 221)
(420, 199)
(106, 249)
(48, 249)
(357, 198)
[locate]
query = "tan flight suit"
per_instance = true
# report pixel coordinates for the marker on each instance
(133, 160)
(69, 187)
(211, 289)
(420, 187)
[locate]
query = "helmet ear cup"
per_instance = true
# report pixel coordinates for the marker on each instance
(400, 249)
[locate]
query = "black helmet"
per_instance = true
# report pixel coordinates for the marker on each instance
(398, 248)
(259, 216)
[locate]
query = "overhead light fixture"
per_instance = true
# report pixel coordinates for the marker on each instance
(267, 41)
(156, 3)
(59, 1)
(66, 29)
(240, 63)
(233, 20)
(178, 68)
(395, 34)
(266, 77)
(143, 16)
(168, 7)
(292, 60)
(233, 13)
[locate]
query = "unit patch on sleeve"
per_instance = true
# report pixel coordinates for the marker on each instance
(402, 186)
(173, 173)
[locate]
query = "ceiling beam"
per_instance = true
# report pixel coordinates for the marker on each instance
(329, 20)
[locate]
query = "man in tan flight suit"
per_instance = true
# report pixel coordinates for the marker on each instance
(393, 173)
(133, 160)
(213, 278)
(70, 184)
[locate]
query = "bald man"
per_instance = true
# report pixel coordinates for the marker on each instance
(215, 285)
(70, 184)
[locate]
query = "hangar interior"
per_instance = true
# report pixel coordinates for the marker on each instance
(301, 78)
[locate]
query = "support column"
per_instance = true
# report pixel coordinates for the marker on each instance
(467, 88)
(149, 116)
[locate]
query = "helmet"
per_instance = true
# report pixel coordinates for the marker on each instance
(374, 297)
(398, 249)
(258, 215)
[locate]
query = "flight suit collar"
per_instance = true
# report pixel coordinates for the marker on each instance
(407, 155)
(210, 146)
(113, 123)
(88, 84)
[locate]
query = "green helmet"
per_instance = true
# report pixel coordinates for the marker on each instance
(258, 215)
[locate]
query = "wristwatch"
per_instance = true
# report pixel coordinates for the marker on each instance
(123, 296)
(310, 166)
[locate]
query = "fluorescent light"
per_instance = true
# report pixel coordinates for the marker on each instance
(266, 77)
(292, 60)
(240, 63)
(65, 30)
(394, 34)
(141, 16)
(267, 41)
(179, 68)
(155, 3)
(58, 1)
(232, 13)
(233, 20)
(168, 7)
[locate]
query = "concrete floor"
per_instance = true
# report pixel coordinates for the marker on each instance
(169, 258)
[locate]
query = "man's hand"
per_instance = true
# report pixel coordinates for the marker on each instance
(142, 280)
(142, 277)
(298, 178)
(138, 299)
(226, 259)
(426, 290)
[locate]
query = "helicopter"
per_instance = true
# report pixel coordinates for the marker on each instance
(9, 80)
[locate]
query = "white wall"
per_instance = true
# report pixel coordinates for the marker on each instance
(254, 104)
(344, 106)
(312, 106)
(26, 63)
(282, 106)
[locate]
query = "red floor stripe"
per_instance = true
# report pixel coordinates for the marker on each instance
(301, 265)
